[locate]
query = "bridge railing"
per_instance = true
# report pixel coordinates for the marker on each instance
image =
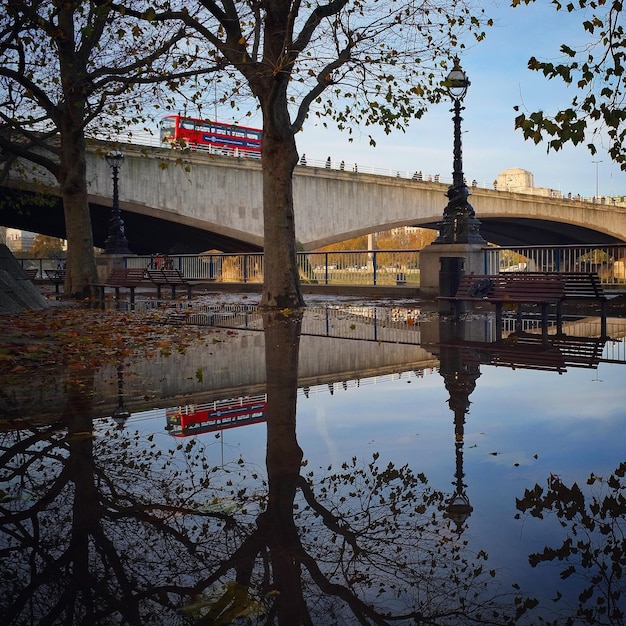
(608, 261)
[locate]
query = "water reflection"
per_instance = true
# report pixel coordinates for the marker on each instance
(460, 380)
(108, 525)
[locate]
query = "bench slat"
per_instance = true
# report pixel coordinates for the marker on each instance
(539, 288)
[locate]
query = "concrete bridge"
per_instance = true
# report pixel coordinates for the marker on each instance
(191, 202)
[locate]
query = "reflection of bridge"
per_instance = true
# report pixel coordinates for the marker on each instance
(339, 348)
(365, 343)
(581, 346)
(194, 202)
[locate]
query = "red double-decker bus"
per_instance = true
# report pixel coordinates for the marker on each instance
(218, 415)
(216, 137)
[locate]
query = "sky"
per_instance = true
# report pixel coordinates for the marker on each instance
(497, 69)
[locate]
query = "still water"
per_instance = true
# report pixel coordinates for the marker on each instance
(362, 465)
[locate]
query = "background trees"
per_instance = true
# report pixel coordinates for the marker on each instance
(597, 112)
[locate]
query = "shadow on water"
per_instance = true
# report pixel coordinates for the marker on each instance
(102, 524)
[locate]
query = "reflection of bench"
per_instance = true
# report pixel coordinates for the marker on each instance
(511, 289)
(531, 351)
(122, 277)
(171, 278)
(56, 276)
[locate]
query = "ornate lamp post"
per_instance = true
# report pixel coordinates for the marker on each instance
(116, 242)
(459, 224)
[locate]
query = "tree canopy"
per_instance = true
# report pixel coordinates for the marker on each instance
(348, 61)
(69, 69)
(597, 112)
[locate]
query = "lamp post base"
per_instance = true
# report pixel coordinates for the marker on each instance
(430, 264)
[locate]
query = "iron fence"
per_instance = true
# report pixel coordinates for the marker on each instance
(356, 267)
(609, 262)
(379, 267)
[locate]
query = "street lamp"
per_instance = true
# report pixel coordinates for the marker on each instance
(116, 242)
(459, 224)
(597, 163)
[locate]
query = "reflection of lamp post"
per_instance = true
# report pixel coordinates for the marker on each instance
(460, 381)
(121, 413)
(116, 242)
(597, 164)
(459, 508)
(459, 224)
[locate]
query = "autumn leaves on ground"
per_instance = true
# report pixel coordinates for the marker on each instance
(78, 338)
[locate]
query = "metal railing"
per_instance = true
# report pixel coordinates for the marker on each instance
(355, 267)
(372, 268)
(42, 265)
(609, 262)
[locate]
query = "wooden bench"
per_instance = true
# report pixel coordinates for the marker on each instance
(171, 278)
(577, 286)
(31, 273)
(57, 277)
(122, 277)
(511, 289)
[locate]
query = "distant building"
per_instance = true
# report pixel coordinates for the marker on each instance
(19, 240)
(522, 181)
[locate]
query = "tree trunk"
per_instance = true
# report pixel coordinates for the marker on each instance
(281, 287)
(75, 83)
(81, 263)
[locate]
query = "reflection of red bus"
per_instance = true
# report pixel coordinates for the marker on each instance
(218, 138)
(194, 419)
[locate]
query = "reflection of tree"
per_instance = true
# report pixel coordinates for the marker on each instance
(364, 544)
(84, 532)
(593, 552)
(108, 527)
